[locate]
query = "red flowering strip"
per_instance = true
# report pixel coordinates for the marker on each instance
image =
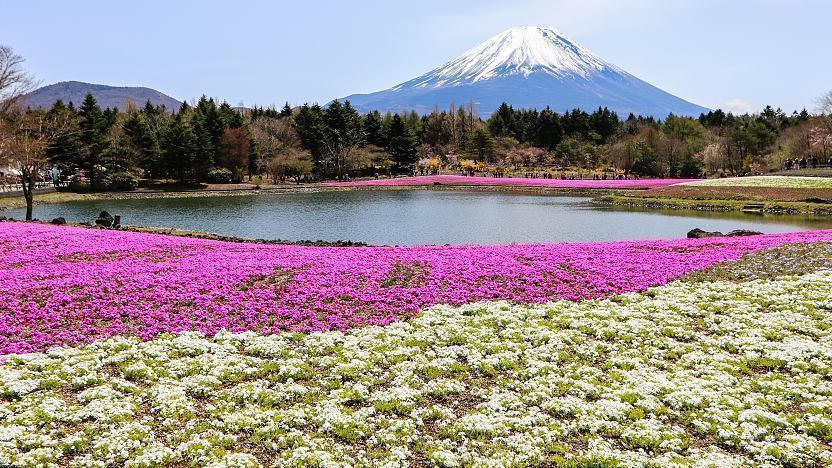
(67, 285)
(513, 182)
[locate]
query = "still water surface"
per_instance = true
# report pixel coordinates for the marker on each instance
(416, 217)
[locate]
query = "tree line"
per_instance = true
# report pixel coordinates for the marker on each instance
(104, 149)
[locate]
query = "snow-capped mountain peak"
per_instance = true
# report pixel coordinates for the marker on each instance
(528, 67)
(517, 51)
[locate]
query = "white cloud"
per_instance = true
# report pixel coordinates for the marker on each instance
(738, 106)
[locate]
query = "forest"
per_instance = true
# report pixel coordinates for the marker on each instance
(210, 141)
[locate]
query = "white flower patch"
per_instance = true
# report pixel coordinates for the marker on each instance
(708, 374)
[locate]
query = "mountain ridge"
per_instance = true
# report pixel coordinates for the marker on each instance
(528, 67)
(106, 95)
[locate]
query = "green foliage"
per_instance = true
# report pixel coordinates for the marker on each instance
(121, 181)
(482, 145)
(401, 144)
(220, 176)
(191, 142)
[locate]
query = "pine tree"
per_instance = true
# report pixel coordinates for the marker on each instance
(139, 133)
(179, 148)
(285, 111)
(309, 125)
(253, 155)
(548, 131)
(65, 152)
(93, 126)
(482, 145)
(373, 131)
(401, 145)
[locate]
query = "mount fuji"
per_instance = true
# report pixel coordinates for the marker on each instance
(528, 67)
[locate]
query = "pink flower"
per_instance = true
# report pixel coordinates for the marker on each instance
(67, 285)
(514, 182)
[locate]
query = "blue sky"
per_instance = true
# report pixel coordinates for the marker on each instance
(738, 54)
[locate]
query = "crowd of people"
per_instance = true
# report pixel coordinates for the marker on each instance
(14, 183)
(501, 173)
(805, 163)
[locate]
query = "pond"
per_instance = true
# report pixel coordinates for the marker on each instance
(418, 217)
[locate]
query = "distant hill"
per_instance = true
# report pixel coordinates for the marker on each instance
(107, 96)
(528, 67)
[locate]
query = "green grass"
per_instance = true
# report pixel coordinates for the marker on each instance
(712, 205)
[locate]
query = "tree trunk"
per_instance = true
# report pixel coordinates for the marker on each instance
(28, 183)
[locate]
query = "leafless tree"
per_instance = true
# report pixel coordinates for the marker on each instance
(15, 81)
(825, 103)
(825, 109)
(280, 149)
(25, 138)
(290, 162)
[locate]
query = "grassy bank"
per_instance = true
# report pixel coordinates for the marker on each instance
(772, 207)
(790, 195)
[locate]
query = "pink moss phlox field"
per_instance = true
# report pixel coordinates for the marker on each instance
(512, 182)
(68, 285)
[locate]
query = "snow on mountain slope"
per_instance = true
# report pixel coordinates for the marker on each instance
(528, 67)
(520, 50)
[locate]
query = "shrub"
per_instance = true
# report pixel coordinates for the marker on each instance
(220, 176)
(237, 176)
(121, 181)
(77, 185)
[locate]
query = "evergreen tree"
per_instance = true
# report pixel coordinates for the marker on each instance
(93, 137)
(309, 125)
(401, 144)
(576, 124)
(343, 133)
(285, 111)
(548, 132)
(65, 152)
(482, 145)
(179, 148)
(373, 131)
(139, 133)
(605, 123)
(253, 155)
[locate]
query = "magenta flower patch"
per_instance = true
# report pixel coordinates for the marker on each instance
(67, 285)
(514, 182)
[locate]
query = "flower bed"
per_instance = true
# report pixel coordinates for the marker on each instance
(67, 285)
(706, 374)
(794, 182)
(512, 182)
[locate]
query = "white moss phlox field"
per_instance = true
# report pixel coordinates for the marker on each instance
(713, 373)
(767, 181)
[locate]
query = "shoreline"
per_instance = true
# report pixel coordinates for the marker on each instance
(618, 197)
(773, 207)
(17, 202)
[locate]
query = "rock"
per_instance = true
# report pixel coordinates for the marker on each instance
(2, 218)
(104, 219)
(117, 221)
(59, 221)
(700, 234)
(743, 233)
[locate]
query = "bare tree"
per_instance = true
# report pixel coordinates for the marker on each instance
(279, 145)
(24, 140)
(825, 103)
(290, 162)
(15, 82)
(825, 109)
